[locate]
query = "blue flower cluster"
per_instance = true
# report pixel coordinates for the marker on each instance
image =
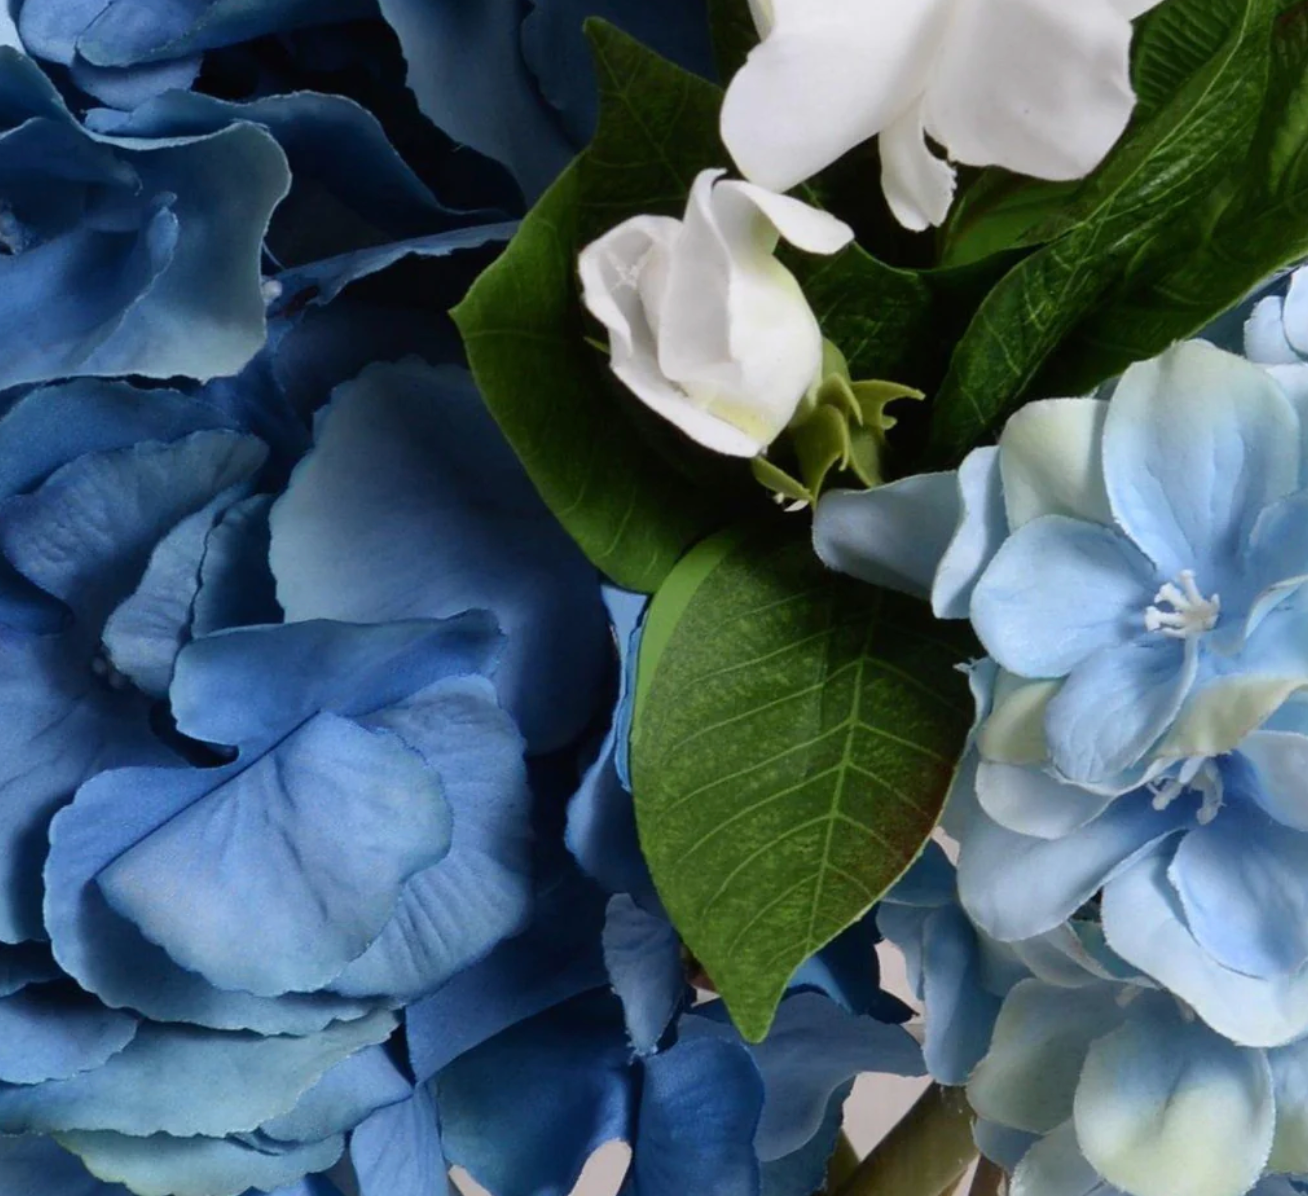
(1120, 969)
(318, 869)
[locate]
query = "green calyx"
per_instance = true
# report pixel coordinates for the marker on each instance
(840, 426)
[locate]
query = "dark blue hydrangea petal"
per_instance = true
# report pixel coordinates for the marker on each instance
(397, 1151)
(468, 72)
(86, 536)
(323, 830)
(962, 1012)
(804, 1171)
(848, 971)
(34, 1166)
(53, 1032)
(126, 34)
(409, 447)
(108, 956)
(197, 1166)
(524, 1111)
(185, 1081)
(559, 56)
(699, 1109)
(50, 28)
(346, 1094)
(24, 964)
(236, 588)
(813, 1048)
(59, 724)
(643, 955)
(452, 914)
(556, 958)
(129, 87)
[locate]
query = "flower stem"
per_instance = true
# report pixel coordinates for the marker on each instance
(924, 1155)
(988, 1180)
(844, 1162)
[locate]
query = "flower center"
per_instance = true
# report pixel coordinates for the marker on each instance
(1198, 774)
(1181, 611)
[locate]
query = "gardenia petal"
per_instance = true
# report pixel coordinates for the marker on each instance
(828, 76)
(1040, 87)
(919, 187)
(1166, 1107)
(1264, 334)
(706, 327)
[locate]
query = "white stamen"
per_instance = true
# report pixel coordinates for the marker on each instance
(1191, 614)
(1198, 774)
(271, 290)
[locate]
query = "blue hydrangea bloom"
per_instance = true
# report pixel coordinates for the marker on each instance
(1085, 1077)
(1136, 563)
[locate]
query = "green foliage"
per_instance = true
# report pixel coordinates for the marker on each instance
(1162, 169)
(734, 35)
(795, 734)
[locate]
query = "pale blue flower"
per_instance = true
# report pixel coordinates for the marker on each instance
(1136, 562)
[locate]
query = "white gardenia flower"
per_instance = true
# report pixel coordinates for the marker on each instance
(1041, 87)
(705, 325)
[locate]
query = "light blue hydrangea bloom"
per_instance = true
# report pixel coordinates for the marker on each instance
(1134, 566)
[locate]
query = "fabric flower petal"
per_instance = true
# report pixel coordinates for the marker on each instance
(961, 1017)
(1057, 591)
(370, 491)
(643, 955)
(1029, 801)
(55, 1032)
(1196, 444)
(342, 1097)
(1166, 1106)
(1145, 924)
(1034, 86)
(1280, 762)
(1055, 1166)
(981, 530)
(1051, 460)
(918, 186)
(397, 1151)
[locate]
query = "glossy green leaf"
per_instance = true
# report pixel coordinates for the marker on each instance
(734, 35)
(1163, 168)
(794, 737)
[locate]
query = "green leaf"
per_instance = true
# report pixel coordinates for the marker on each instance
(795, 734)
(734, 35)
(1252, 226)
(632, 514)
(1161, 170)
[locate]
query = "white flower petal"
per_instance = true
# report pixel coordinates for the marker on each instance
(1041, 87)
(919, 187)
(829, 75)
(805, 227)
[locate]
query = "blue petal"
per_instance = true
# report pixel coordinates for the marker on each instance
(556, 958)
(1243, 883)
(1264, 334)
(50, 427)
(1028, 1078)
(1165, 1105)
(1028, 801)
(1145, 924)
(643, 955)
(493, 106)
(804, 1171)
(204, 315)
(699, 1109)
(323, 831)
(108, 956)
(146, 632)
(129, 87)
(929, 882)
(981, 530)
(182, 1080)
(1197, 443)
(32, 1166)
(406, 448)
(1277, 558)
(251, 686)
(27, 963)
(53, 1033)
(1058, 591)
(346, 1093)
(87, 534)
(453, 913)
(564, 68)
(1015, 886)
(814, 1048)
(894, 535)
(1115, 706)
(1280, 762)
(848, 971)
(960, 1012)
(196, 1166)
(50, 28)
(127, 34)
(524, 1111)
(236, 586)
(58, 725)
(397, 1151)
(1055, 1166)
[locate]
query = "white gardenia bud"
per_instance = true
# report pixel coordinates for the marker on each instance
(706, 327)
(1041, 87)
